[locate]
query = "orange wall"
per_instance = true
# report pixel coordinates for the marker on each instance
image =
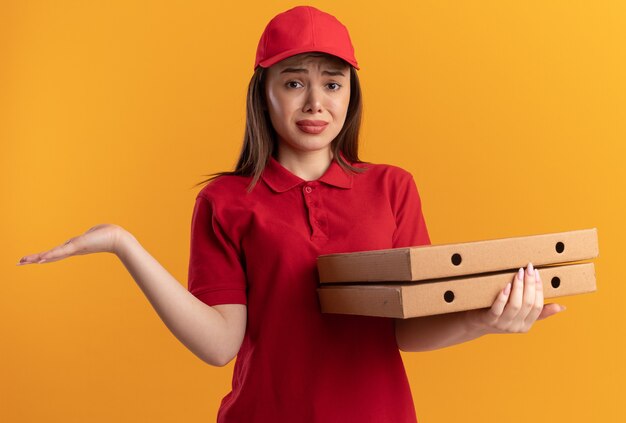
(510, 115)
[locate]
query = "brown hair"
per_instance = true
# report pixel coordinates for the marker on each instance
(260, 138)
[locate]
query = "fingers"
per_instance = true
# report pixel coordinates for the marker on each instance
(530, 308)
(491, 317)
(29, 259)
(541, 311)
(549, 310)
(538, 306)
(514, 305)
(523, 305)
(528, 299)
(518, 305)
(104, 237)
(64, 250)
(500, 303)
(58, 253)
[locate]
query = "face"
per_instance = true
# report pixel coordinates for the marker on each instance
(302, 88)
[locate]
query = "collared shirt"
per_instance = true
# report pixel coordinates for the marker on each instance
(297, 364)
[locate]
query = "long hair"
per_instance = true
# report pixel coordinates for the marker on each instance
(260, 139)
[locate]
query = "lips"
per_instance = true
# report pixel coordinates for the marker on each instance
(308, 122)
(312, 126)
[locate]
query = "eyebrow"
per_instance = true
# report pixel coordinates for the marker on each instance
(301, 70)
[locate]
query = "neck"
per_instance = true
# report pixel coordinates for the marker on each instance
(308, 165)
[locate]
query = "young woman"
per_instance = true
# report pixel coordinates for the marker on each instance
(299, 191)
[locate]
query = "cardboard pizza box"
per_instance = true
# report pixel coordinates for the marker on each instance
(405, 300)
(427, 262)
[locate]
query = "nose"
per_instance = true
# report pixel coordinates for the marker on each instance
(313, 100)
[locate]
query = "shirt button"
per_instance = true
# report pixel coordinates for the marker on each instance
(308, 189)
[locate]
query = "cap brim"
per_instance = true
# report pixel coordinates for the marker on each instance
(285, 54)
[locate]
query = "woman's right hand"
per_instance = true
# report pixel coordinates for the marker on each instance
(100, 238)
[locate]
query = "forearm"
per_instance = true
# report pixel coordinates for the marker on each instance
(434, 332)
(201, 328)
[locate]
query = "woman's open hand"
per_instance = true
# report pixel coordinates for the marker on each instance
(100, 238)
(517, 307)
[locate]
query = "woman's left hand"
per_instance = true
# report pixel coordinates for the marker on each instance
(523, 308)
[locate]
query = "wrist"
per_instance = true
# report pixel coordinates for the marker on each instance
(121, 241)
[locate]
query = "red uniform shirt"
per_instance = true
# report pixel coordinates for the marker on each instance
(297, 364)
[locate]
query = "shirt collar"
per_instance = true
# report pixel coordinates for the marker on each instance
(280, 179)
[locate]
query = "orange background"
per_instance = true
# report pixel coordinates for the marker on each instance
(510, 115)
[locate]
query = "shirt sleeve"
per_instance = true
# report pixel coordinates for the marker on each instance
(410, 223)
(216, 273)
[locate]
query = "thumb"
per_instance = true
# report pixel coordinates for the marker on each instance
(549, 310)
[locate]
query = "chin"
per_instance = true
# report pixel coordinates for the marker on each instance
(317, 142)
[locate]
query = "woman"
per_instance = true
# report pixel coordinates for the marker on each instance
(299, 191)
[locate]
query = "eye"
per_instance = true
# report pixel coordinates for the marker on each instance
(337, 85)
(291, 82)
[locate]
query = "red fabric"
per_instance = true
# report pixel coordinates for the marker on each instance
(303, 29)
(297, 364)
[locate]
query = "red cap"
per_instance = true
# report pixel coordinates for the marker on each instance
(303, 29)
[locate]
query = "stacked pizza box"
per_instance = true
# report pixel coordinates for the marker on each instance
(436, 279)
